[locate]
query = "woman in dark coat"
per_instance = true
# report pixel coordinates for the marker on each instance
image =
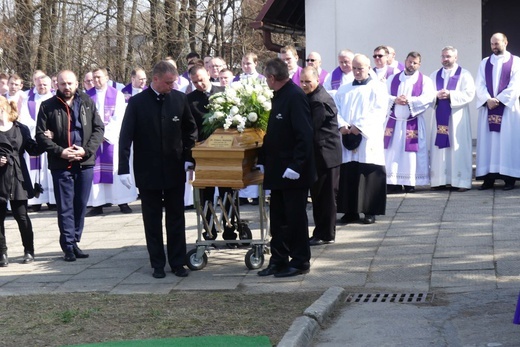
(15, 183)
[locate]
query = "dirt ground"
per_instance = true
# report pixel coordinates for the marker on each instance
(67, 319)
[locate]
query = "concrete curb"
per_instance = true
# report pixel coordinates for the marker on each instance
(303, 329)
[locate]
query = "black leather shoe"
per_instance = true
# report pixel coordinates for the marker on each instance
(69, 256)
(409, 189)
(348, 218)
(124, 208)
(95, 211)
(28, 258)
(270, 270)
(4, 261)
(509, 186)
(314, 241)
(79, 253)
(158, 273)
(180, 271)
(369, 219)
(487, 185)
(291, 271)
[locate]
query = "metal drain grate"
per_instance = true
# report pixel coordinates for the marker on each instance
(404, 298)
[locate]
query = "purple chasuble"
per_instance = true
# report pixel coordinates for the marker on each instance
(34, 161)
(412, 126)
(322, 76)
(335, 80)
(127, 92)
(103, 168)
(495, 115)
(443, 111)
(389, 72)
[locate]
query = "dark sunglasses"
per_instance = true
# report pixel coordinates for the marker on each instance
(310, 60)
(378, 56)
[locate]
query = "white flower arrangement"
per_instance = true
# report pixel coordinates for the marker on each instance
(244, 104)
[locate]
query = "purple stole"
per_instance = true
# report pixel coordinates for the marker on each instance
(127, 91)
(296, 77)
(335, 80)
(412, 132)
(495, 115)
(103, 168)
(323, 74)
(443, 111)
(34, 161)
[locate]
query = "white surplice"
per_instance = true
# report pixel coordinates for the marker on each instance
(452, 165)
(402, 167)
(499, 152)
(43, 175)
(364, 106)
(115, 193)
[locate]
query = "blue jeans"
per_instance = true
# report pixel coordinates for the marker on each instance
(72, 190)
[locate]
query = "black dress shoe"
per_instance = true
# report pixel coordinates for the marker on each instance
(509, 186)
(243, 201)
(69, 256)
(158, 273)
(95, 211)
(291, 271)
(409, 189)
(314, 241)
(254, 201)
(28, 258)
(369, 219)
(124, 208)
(4, 261)
(180, 271)
(51, 207)
(35, 208)
(79, 253)
(348, 218)
(487, 185)
(270, 270)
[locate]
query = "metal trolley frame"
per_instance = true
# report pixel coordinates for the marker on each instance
(228, 218)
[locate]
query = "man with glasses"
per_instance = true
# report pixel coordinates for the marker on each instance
(215, 66)
(406, 151)
(314, 60)
(382, 69)
(138, 84)
(342, 74)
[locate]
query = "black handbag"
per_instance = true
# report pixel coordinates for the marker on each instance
(38, 189)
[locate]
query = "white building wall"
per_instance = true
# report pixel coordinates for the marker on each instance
(407, 25)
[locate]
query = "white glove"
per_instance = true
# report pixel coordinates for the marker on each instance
(188, 165)
(291, 174)
(260, 168)
(126, 180)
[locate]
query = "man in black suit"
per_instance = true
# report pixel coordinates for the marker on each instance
(199, 100)
(327, 155)
(159, 124)
(288, 164)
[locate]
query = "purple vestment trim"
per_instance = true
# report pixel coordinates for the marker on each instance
(443, 111)
(495, 115)
(412, 127)
(322, 76)
(103, 168)
(389, 72)
(296, 77)
(335, 81)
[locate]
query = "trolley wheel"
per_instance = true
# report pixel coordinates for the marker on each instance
(253, 262)
(196, 264)
(245, 234)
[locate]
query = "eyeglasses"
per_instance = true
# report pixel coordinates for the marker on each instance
(379, 56)
(311, 60)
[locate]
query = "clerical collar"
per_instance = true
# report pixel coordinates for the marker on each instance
(362, 83)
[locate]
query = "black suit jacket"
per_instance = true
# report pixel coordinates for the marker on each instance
(198, 101)
(288, 141)
(327, 139)
(162, 133)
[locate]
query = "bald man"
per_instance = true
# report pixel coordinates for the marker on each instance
(314, 60)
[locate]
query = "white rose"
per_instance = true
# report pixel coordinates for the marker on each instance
(233, 111)
(217, 115)
(267, 106)
(252, 117)
(249, 89)
(261, 99)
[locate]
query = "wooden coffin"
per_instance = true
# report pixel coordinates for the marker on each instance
(227, 159)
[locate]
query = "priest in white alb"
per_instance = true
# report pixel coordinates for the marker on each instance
(451, 144)
(498, 134)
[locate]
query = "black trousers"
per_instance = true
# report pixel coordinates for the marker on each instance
(19, 210)
(152, 202)
(289, 228)
(362, 188)
(323, 193)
